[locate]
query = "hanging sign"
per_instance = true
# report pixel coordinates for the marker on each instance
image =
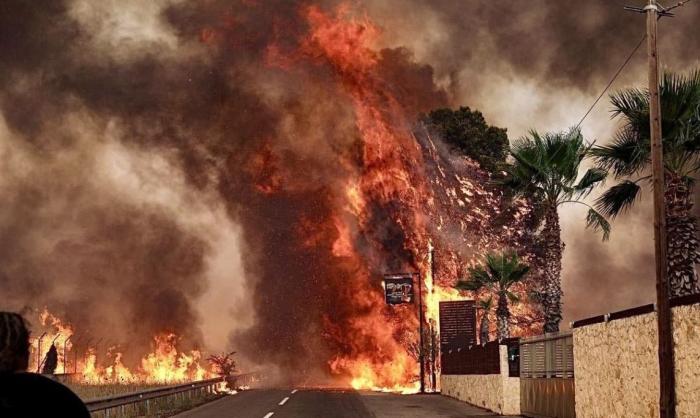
(398, 289)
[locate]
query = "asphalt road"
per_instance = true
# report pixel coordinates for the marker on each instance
(305, 403)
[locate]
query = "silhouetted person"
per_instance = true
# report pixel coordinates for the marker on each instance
(27, 394)
(51, 361)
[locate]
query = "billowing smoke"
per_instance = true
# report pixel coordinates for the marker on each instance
(199, 166)
(540, 64)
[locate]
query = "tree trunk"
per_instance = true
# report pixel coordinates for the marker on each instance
(484, 328)
(551, 300)
(503, 315)
(682, 237)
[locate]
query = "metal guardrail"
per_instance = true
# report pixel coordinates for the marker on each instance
(145, 396)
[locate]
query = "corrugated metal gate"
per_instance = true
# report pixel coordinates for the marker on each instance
(547, 376)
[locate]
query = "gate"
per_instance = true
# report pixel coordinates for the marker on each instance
(547, 376)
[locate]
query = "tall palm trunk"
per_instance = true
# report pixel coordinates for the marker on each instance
(484, 327)
(551, 300)
(503, 315)
(682, 242)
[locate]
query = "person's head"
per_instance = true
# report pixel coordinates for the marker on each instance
(14, 343)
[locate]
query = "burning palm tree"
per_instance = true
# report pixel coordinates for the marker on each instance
(499, 273)
(546, 169)
(629, 157)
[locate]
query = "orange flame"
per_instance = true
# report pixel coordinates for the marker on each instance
(164, 364)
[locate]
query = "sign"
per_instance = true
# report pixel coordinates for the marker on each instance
(457, 324)
(398, 289)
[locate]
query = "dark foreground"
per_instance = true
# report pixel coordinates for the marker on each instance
(304, 403)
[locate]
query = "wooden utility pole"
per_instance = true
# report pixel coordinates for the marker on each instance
(666, 371)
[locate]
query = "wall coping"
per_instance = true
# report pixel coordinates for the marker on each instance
(639, 310)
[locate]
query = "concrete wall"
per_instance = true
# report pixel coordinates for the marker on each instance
(617, 371)
(496, 392)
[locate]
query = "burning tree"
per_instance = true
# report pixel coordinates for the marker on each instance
(225, 365)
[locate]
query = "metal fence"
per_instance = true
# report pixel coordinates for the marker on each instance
(477, 359)
(550, 355)
(547, 388)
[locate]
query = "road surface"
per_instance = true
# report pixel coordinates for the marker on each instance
(304, 403)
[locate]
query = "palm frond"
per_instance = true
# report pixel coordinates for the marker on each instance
(485, 304)
(513, 297)
(618, 199)
(590, 179)
(626, 155)
(633, 104)
(597, 222)
(546, 165)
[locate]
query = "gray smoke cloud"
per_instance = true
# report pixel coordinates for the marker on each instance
(539, 65)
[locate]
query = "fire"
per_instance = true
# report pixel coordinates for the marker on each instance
(394, 180)
(397, 196)
(58, 334)
(164, 364)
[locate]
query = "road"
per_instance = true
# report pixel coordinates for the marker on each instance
(305, 403)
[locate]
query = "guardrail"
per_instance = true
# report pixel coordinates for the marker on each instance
(143, 399)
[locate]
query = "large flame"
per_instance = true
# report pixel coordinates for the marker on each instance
(164, 364)
(397, 199)
(393, 177)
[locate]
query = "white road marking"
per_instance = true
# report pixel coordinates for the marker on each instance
(269, 414)
(294, 391)
(284, 401)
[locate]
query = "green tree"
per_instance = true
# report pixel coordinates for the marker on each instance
(485, 306)
(545, 169)
(628, 157)
(467, 131)
(498, 274)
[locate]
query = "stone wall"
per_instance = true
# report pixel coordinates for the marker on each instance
(617, 371)
(496, 392)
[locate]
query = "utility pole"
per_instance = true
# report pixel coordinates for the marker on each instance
(421, 351)
(433, 325)
(667, 402)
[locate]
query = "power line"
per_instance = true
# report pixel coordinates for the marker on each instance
(679, 4)
(612, 80)
(665, 11)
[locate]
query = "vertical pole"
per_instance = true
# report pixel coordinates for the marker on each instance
(666, 372)
(421, 354)
(39, 358)
(433, 325)
(65, 359)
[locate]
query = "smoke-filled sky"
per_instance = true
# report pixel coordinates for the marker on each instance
(139, 143)
(540, 65)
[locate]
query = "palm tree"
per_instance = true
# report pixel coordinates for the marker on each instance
(545, 169)
(500, 272)
(629, 157)
(485, 306)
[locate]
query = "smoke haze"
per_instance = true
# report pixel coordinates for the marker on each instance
(160, 160)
